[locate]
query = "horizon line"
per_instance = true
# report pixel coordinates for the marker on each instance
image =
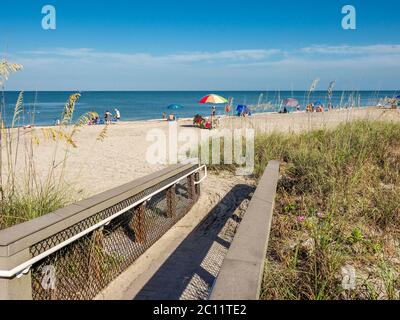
(199, 90)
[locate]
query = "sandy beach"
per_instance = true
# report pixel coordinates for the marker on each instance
(96, 166)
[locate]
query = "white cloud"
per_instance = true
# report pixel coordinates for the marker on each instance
(224, 55)
(184, 57)
(354, 50)
(90, 69)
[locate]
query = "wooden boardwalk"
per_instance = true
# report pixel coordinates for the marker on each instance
(190, 271)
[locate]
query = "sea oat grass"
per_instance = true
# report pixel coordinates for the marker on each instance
(337, 206)
(25, 206)
(24, 194)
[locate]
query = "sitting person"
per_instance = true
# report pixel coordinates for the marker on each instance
(215, 122)
(285, 110)
(198, 120)
(171, 117)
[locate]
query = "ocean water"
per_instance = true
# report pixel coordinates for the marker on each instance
(45, 107)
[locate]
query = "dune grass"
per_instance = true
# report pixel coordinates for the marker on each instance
(336, 226)
(24, 194)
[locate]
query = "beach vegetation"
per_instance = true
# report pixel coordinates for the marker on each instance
(24, 192)
(337, 209)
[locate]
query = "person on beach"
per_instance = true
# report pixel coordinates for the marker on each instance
(285, 110)
(117, 115)
(227, 109)
(107, 117)
(164, 115)
(213, 111)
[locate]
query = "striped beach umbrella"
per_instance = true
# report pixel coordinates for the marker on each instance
(291, 102)
(213, 98)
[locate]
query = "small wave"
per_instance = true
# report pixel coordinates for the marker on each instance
(49, 104)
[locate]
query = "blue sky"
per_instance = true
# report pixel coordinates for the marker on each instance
(201, 45)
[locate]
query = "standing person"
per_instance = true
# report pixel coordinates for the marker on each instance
(107, 117)
(227, 109)
(117, 115)
(213, 111)
(164, 115)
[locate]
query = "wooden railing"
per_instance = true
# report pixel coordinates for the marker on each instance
(74, 252)
(242, 269)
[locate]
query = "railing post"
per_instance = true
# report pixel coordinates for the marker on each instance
(16, 288)
(191, 187)
(171, 202)
(138, 223)
(197, 186)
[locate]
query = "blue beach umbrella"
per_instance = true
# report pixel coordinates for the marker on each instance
(174, 107)
(240, 109)
(317, 103)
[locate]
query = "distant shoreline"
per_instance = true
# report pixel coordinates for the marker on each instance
(224, 116)
(44, 108)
